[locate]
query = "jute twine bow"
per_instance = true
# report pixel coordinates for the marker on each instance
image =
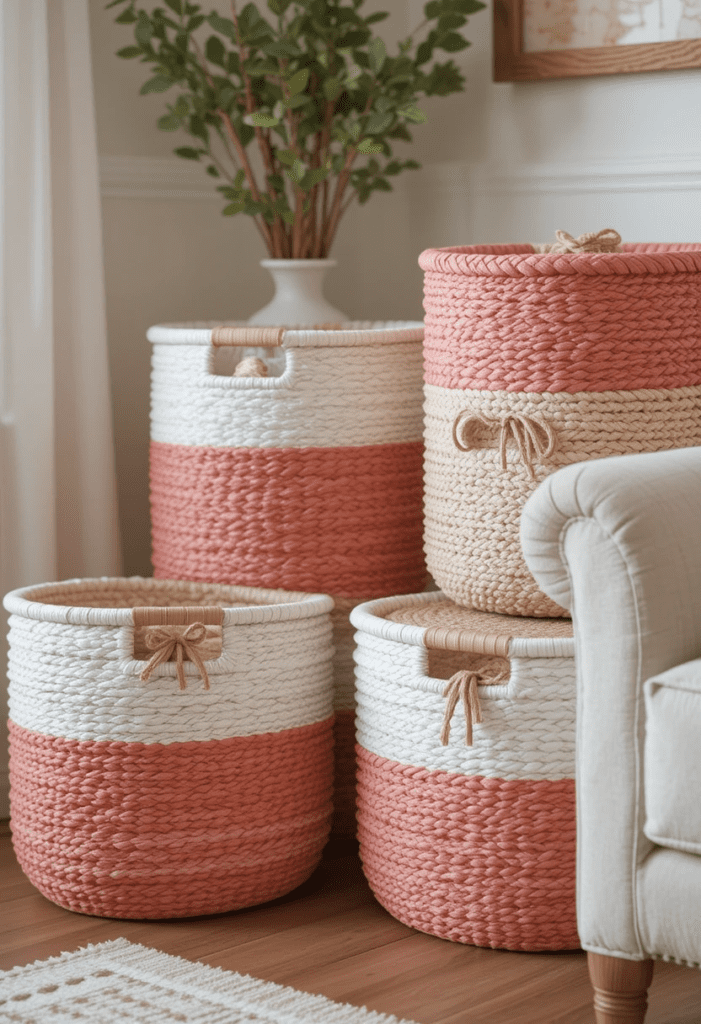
(534, 437)
(163, 640)
(606, 240)
(463, 686)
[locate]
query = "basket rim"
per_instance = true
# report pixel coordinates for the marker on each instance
(369, 617)
(354, 333)
(267, 606)
(522, 260)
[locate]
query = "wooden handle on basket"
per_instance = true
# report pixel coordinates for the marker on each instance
(248, 337)
(451, 638)
(209, 615)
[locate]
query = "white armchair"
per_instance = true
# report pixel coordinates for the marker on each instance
(618, 542)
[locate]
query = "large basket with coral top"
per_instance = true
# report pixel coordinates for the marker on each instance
(302, 470)
(466, 804)
(171, 744)
(534, 360)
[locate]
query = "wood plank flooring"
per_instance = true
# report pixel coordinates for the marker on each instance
(331, 937)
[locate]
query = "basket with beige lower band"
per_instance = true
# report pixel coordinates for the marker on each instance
(171, 744)
(536, 359)
(466, 804)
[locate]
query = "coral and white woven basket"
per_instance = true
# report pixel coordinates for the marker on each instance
(474, 843)
(171, 744)
(309, 478)
(533, 361)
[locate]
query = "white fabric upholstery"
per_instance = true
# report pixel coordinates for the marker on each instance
(672, 762)
(618, 542)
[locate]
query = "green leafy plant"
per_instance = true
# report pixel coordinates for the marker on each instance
(312, 86)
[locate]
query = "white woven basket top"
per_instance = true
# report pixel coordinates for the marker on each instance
(527, 637)
(352, 333)
(108, 601)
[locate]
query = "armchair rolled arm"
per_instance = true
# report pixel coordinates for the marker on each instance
(617, 541)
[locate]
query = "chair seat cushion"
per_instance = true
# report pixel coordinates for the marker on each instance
(673, 758)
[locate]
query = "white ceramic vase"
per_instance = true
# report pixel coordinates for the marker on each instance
(299, 299)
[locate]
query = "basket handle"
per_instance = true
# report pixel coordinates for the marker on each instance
(247, 337)
(208, 615)
(260, 337)
(447, 638)
(180, 631)
(462, 685)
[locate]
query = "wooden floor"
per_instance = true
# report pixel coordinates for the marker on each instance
(331, 937)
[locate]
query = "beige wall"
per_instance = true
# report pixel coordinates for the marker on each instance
(507, 162)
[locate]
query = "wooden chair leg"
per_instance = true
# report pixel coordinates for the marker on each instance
(620, 988)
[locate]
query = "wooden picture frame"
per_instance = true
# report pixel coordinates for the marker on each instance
(512, 64)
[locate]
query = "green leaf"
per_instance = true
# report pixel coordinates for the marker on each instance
(158, 84)
(412, 113)
(468, 6)
(198, 128)
(377, 53)
(298, 82)
(368, 146)
(182, 107)
(378, 123)
(233, 208)
(144, 29)
(126, 17)
(443, 79)
(233, 65)
(434, 9)
(278, 7)
(169, 123)
(223, 26)
(214, 51)
(127, 52)
(260, 120)
(331, 88)
(353, 39)
(377, 16)
(280, 48)
(114, 3)
(286, 157)
(175, 5)
(452, 42)
(187, 153)
(194, 23)
(450, 21)
(212, 171)
(296, 171)
(424, 52)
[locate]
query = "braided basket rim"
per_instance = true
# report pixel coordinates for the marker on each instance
(369, 617)
(522, 260)
(350, 334)
(257, 605)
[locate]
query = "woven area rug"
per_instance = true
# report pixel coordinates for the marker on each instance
(122, 982)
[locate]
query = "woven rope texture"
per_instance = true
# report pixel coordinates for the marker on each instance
(478, 477)
(474, 860)
(148, 830)
(467, 832)
(509, 319)
(344, 521)
(133, 797)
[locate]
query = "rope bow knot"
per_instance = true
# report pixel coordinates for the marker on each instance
(606, 240)
(533, 436)
(463, 686)
(164, 640)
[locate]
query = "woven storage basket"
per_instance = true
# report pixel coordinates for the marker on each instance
(135, 797)
(309, 478)
(533, 361)
(470, 843)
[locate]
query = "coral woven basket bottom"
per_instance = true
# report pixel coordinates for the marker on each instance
(466, 809)
(171, 743)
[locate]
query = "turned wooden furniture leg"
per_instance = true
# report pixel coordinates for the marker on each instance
(620, 988)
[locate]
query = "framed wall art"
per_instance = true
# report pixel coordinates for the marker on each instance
(536, 39)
